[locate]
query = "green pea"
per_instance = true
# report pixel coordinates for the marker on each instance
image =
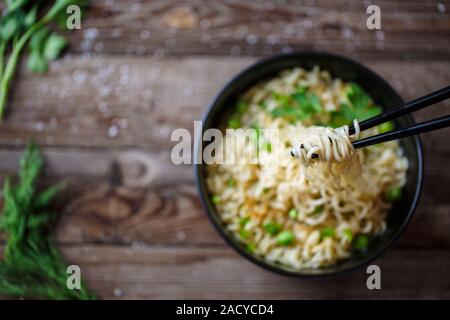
(215, 199)
(361, 242)
(394, 194)
(293, 213)
(234, 123)
(243, 221)
(348, 234)
(285, 238)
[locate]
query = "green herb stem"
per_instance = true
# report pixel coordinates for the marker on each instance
(18, 45)
(12, 64)
(2, 56)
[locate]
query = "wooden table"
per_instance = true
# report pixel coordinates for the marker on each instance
(139, 69)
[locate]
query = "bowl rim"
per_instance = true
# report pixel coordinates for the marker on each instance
(212, 214)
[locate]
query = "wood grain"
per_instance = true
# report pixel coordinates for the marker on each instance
(205, 273)
(137, 102)
(190, 272)
(135, 196)
(412, 29)
(139, 69)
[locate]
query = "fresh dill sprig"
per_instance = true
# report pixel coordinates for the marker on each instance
(32, 266)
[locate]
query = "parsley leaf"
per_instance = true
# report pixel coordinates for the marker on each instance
(53, 47)
(301, 105)
(20, 24)
(37, 63)
(360, 106)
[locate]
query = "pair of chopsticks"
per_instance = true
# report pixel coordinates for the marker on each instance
(417, 104)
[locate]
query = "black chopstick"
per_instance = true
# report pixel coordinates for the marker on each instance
(417, 104)
(422, 127)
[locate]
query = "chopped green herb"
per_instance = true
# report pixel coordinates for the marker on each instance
(369, 113)
(359, 106)
(361, 242)
(394, 194)
(309, 103)
(285, 238)
(386, 127)
(272, 228)
(318, 209)
(282, 101)
(293, 213)
(231, 182)
(362, 113)
(215, 199)
(268, 147)
(264, 104)
(290, 113)
(301, 105)
(234, 123)
(265, 190)
(348, 234)
(244, 233)
(250, 247)
(241, 106)
(339, 120)
(243, 221)
(326, 233)
(358, 97)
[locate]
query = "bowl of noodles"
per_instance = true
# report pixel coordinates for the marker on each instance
(322, 211)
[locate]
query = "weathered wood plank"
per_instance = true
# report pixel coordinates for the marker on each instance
(117, 101)
(130, 218)
(219, 273)
(414, 29)
(143, 272)
(124, 196)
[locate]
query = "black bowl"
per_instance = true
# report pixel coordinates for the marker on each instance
(384, 96)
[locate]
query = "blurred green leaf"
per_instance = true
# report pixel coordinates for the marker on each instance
(53, 47)
(37, 62)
